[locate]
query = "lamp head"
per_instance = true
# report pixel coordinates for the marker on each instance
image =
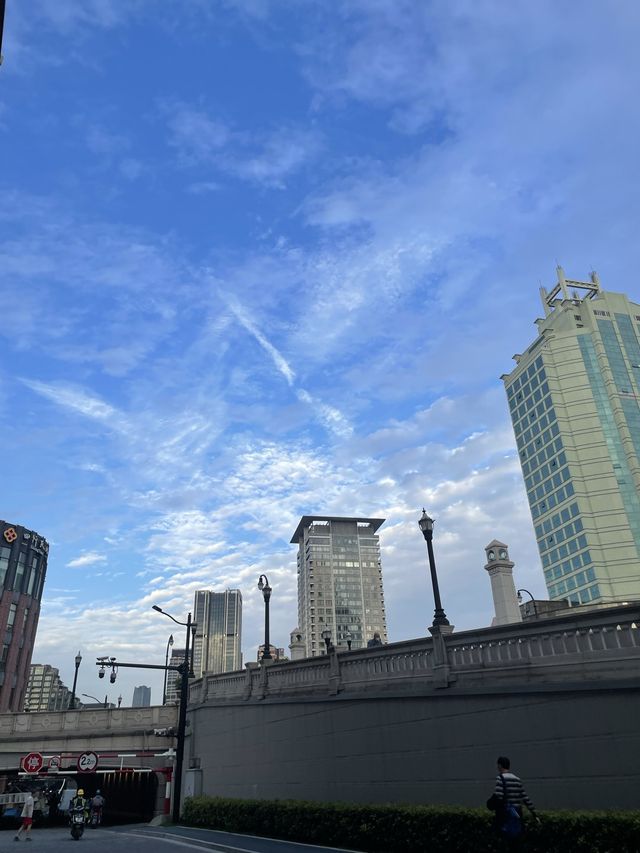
(425, 523)
(171, 639)
(157, 609)
(78, 659)
(260, 583)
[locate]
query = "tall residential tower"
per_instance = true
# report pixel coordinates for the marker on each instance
(574, 397)
(23, 568)
(339, 581)
(218, 641)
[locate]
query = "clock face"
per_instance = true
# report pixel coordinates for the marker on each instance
(491, 555)
(503, 554)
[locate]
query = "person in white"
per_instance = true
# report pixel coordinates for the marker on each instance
(27, 819)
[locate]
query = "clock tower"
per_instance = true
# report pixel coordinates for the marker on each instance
(503, 589)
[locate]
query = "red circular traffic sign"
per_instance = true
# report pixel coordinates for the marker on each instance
(32, 763)
(87, 762)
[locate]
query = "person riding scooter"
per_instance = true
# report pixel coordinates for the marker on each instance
(78, 814)
(97, 805)
(79, 802)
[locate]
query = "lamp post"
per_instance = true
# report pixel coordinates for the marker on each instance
(182, 713)
(348, 637)
(95, 699)
(263, 586)
(119, 700)
(426, 526)
(533, 601)
(166, 671)
(78, 661)
(326, 636)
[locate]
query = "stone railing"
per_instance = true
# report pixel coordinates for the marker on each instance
(102, 720)
(596, 645)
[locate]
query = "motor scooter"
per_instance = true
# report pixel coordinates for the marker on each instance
(78, 820)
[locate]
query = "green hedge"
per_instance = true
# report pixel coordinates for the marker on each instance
(412, 829)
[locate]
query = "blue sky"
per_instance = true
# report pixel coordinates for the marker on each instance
(262, 259)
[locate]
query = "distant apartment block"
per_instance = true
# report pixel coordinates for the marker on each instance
(276, 653)
(141, 697)
(339, 581)
(23, 568)
(574, 398)
(218, 639)
(45, 690)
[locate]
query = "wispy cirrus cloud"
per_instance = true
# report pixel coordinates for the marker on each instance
(267, 157)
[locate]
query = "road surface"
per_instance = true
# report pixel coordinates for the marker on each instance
(142, 838)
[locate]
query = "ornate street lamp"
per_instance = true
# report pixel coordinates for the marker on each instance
(166, 671)
(426, 526)
(326, 636)
(119, 700)
(78, 661)
(348, 637)
(263, 586)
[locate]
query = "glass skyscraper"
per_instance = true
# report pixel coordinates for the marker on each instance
(574, 398)
(218, 640)
(141, 697)
(339, 581)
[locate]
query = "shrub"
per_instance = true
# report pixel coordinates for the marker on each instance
(412, 829)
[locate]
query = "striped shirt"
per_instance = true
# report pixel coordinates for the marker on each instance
(516, 794)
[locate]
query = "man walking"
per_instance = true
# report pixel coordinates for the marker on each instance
(509, 796)
(27, 819)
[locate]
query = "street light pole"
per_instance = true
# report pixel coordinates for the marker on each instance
(426, 526)
(166, 672)
(263, 586)
(95, 699)
(348, 637)
(78, 661)
(182, 713)
(533, 601)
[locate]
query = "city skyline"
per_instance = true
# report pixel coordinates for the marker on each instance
(264, 259)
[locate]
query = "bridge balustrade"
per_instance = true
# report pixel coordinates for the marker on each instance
(543, 650)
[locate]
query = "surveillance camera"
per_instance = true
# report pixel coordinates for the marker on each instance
(101, 673)
(112, 678)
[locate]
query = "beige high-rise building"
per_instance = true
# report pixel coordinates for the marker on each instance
(339, 581)
(45, 690)
(574, 397)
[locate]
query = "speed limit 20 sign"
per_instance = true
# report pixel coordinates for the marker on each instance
(87, 762)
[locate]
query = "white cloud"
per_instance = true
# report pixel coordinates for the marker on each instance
(91, 558)
(266, 157)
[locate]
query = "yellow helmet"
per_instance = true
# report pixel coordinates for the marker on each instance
(81, 792)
